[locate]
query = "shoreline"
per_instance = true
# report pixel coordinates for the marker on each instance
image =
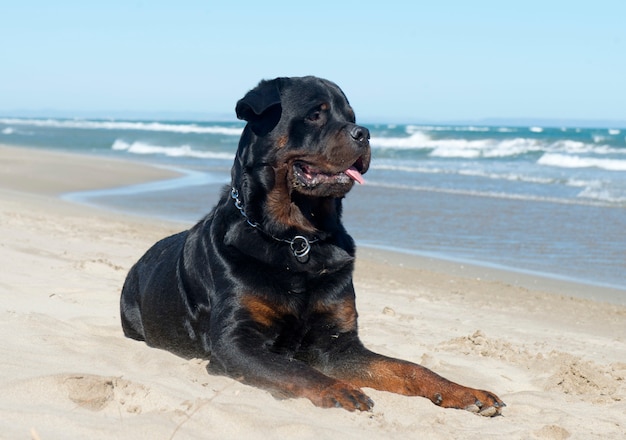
(54, 173)
(555, 359)
(549, 283)
(134, 177)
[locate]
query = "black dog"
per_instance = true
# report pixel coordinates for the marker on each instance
(262, 286)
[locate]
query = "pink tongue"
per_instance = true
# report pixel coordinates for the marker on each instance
(354, 174)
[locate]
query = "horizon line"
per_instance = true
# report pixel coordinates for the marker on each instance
(228, 117)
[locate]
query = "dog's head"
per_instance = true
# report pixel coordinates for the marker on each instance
(301, 142)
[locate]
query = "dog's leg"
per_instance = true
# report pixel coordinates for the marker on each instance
(287, 378)
(363, 368)
(346, 359)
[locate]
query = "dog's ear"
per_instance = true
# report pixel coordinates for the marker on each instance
(261, 107)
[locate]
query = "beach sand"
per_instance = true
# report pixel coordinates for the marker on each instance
(66, 370)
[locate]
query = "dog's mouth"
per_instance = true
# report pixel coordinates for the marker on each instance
(310, 176)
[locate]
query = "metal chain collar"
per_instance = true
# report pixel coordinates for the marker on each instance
(300, 245)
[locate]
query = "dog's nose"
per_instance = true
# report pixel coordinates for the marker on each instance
(359, 134)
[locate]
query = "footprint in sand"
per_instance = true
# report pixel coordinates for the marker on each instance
(91, 392)
(96, 392)
(99, 266)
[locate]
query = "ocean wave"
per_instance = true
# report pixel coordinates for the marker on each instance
(564, 161)
(577, 147)
(460, 148)
(585, 201)
(179, 151)
(488, 147)
(8, 130)
(126, 125)
(410, 129)
(603, 194)
(417, 140)
(512, 177)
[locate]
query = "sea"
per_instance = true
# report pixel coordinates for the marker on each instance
(543, 200)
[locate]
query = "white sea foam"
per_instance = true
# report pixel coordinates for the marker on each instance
(125, 125)
(8, 130)
(503, 148)
(564, 161)
(410, 129)
(461, 148)
(603, 194)
(614, 132)
(409, 169)
(179, 151)
(599, 138)
(488, 147)
(536, 129)
(497, 195)
(513, 177)
(578, 183)
(415, 141)
(569, 146)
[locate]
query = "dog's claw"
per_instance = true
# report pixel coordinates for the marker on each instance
(475, 407)
(438, 398)
(489, 412)
(479, 402)
(472, 408)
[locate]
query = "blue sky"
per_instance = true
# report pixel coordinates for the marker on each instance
(408, 61)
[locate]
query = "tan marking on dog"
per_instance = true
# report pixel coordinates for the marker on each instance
(344, 314)
(282, 141)
(280, 206)
(261, 311)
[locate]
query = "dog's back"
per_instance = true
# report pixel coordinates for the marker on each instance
(149, 292)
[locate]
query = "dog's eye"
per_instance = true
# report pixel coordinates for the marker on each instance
(318, 114)
(315, 116)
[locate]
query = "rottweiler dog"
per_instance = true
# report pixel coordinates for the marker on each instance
(262, 286)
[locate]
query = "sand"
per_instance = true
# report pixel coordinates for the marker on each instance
(66, 370)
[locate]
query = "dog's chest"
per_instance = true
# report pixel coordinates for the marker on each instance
(293, 323)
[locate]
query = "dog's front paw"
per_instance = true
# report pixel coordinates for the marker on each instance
(479, 402)
(342, 395)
